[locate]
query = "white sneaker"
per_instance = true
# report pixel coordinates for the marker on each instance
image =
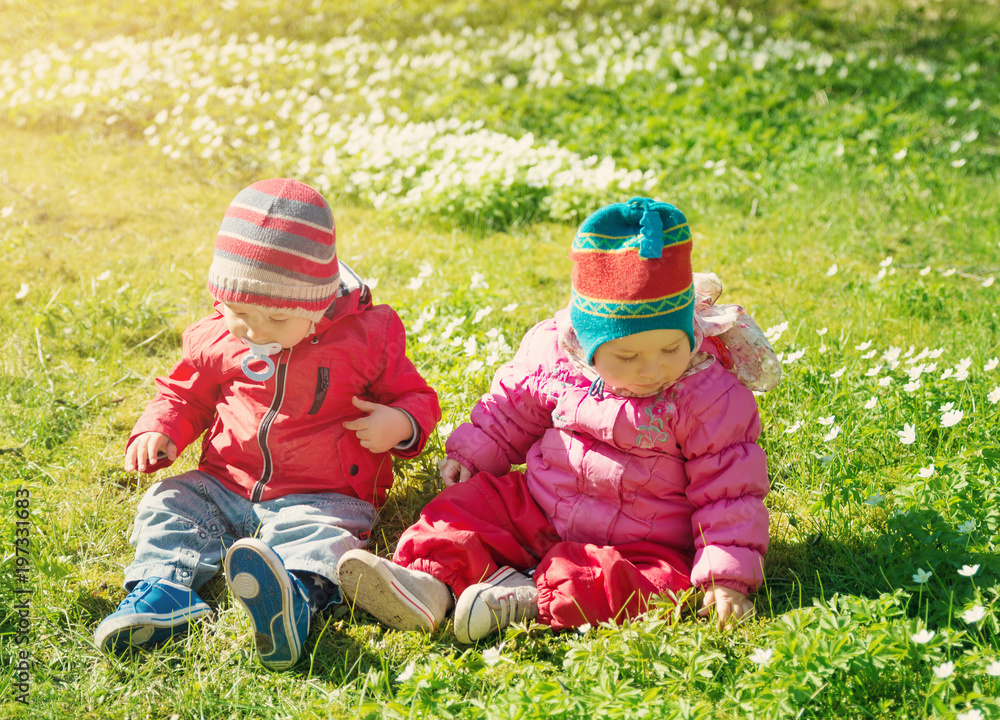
(399, 597)
(505, 597)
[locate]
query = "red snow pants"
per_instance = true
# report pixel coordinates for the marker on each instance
(472, 528)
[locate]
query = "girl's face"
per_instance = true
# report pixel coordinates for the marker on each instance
(262, 325)
(643, 363)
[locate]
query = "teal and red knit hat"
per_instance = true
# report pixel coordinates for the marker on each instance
(631, 273)
(277, 248)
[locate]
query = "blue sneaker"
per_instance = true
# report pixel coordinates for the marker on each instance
(155, 610)
(276, 601)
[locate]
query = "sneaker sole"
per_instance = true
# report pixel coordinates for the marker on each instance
(259, 582)
(373, 588)
(462, 624)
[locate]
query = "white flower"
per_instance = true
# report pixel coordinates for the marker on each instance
(821, 332)
(993, 396)
(926, 472)
(792, 428)
(7, 211)
(372, 283)
(25, 288)
(509, 308)
(875, 499)
(474, 367)
(584, 629)
(991, 365)
(838, 373)
(872, 402)
(762, 656)
(793, 356)
(952, 417)
(923, 637)
(911, 386)
(407, 672)
(946, 407)
(988, 281)
(949, 272)
(415, 283)
(944, 670)
(899, 155)
(481, 313)
(967, 527)
(970, 715)
(832, 435)
(974, 614)
(993, 668)
(926, 270)
(491, 656)
(968, 570)
(922, 576)
(829, 273)
(885, 382)
(887, 262)
(908, 435)
(478, 282)
(826, 420)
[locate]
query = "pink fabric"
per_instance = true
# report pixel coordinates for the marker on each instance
(362, 348)
(470, 529)
(681, 470)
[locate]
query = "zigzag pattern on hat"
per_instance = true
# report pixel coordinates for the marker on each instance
(593, 242)
(642, 309)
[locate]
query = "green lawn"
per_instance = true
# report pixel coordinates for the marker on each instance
(838, 162)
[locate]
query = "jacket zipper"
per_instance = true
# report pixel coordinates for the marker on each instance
(322, 385)
(265, 428)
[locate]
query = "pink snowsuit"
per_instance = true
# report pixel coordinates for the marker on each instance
(621, 498)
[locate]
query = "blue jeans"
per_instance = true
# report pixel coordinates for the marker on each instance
(185, 523)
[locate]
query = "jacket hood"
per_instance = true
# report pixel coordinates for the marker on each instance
(352, 297)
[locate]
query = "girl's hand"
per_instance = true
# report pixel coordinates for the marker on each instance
(728, 604)
(452, 471)
(145, 450)
(382, 429)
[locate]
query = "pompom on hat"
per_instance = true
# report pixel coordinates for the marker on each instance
(277, 249)
(631, 273)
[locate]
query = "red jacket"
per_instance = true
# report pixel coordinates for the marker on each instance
(285, 435)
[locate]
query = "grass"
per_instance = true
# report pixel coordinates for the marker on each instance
(816, 220)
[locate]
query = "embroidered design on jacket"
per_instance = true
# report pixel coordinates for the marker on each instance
(661, 409)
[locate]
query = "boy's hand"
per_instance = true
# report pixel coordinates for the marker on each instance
(452, 471)
(145, 451)
(382, 429)
(728, 604)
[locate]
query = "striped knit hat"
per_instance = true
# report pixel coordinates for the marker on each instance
(631, 273)
(277, 249)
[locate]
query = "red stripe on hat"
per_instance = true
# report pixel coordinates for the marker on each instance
(291, 189)
(261, 219)
(269, 301)
(276, 257)
(626, 277)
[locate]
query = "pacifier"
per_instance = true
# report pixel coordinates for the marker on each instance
(261, 353)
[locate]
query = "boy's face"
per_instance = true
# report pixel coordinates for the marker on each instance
(262, 325)
(644, 362)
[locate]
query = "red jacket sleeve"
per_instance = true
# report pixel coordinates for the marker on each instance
(401, 386)
(184, 404)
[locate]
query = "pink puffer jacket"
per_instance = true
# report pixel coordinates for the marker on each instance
(682, 469)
